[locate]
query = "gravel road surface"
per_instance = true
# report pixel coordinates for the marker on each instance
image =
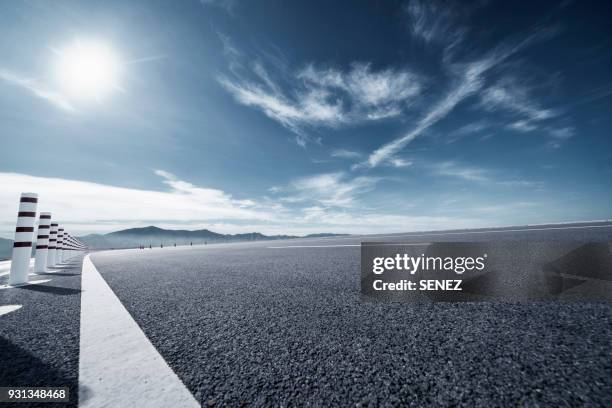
(247, 324)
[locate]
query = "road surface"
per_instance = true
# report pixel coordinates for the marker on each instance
(282, 323)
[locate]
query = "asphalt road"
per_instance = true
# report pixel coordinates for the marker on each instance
(39, 343)
(247, 324)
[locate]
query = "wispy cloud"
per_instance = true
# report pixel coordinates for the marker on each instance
(434, 22)
(562, 133)
(470, 80)
(227, 5)
(330, 189)
(510, 96)
(95, 207)
(313, 96)
(377, 90)
(441, 24)
(559, 136)
(328, 202)
(399, 162)
(311, 108)
(85, 207)
(515, 98)
(469, 129)
(345, 154)
(453, 169)
(464, 172)
(37, 89)
(523, 126)
(469, 83)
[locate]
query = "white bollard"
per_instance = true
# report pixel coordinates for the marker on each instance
(69, 248)
(52, 245)
(24, 232)
(42, 242)
(59, 255)
(73, 248)
(65, 246)
(65, 253)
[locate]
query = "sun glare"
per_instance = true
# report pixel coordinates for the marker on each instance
(87, 70)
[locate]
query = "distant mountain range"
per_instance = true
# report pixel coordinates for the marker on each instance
(156, 236)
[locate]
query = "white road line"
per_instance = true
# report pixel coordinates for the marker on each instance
(349, 245)
(313, 246)
(506, 230)
(426, 234)
(8, 309)
(118, 365)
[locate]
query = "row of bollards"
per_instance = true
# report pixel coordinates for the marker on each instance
(54, 246)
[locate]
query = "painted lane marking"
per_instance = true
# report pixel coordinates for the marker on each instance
(118, 365)
(349, 245)
(505, 230)
(8, 309)
(426, 234)
(313, 246)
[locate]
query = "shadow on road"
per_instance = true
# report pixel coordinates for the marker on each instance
(62, 268)
(50, 289)
(22, 369)
(56, 274)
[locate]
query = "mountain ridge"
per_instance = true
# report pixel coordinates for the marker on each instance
(155, 236)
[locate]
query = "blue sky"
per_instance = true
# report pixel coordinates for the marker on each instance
(303, 117)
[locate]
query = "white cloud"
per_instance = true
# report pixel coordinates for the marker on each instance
(516, 99)
(473, 127)
(399, 162)
(85, 207)
(37, 89)
(345, 154)
(330, 203)
(227, 5)
(468, 130)
(559, 136)
(522, 126)
(469, 83)
(322, 97)
(366, 87)
(533, 117)
(470, 80)
(477, 174)
(433, 23)
(440, 24)
(275, 189)
(562, 133)
(330, 189)
(452, 169)
(95, 207)
(315, 107)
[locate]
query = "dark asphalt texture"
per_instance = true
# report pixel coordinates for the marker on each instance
(243, 324)
(39, 343)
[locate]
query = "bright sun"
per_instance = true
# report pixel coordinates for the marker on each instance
(87, 70)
